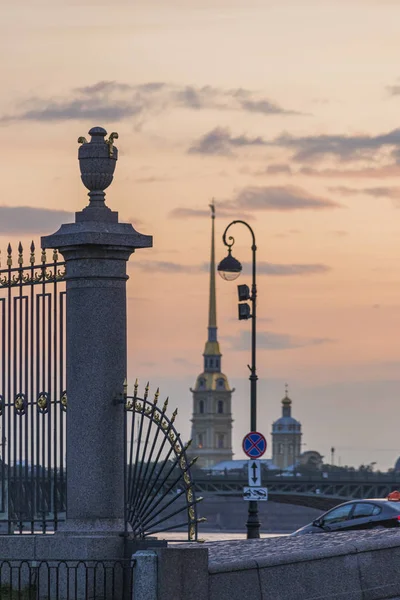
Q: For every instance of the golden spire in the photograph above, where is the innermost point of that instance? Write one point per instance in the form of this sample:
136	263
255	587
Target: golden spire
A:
212	346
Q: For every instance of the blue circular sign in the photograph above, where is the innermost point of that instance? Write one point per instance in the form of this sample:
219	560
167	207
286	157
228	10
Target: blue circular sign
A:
254	444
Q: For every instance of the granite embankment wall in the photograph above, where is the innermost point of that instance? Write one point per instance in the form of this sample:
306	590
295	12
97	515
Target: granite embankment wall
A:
344	566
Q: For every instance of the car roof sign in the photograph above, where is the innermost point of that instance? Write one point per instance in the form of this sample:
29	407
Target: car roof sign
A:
394	496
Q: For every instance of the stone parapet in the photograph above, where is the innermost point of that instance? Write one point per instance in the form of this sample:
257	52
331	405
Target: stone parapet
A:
343	566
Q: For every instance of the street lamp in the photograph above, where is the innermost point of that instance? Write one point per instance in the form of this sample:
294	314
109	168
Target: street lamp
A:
230	268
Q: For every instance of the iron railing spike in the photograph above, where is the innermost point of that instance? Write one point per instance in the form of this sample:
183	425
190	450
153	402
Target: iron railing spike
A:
201	520
9	255
32	256
165	404
20	254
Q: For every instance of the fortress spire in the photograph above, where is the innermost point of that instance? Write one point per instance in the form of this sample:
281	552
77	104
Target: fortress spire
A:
212	396
212	354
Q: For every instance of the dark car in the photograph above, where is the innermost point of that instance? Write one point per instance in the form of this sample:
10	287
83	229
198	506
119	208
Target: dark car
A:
357	514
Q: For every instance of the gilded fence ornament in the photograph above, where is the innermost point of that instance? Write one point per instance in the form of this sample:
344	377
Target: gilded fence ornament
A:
42	403
20	255
146	391
43	256
174	414
135	389
9	256
64	401
82	140
32	254
165	405
20	404
156	395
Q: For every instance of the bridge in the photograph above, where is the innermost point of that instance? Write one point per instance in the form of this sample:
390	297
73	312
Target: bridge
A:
315	491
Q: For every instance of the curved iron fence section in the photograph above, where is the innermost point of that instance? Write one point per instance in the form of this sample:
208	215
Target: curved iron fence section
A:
159	488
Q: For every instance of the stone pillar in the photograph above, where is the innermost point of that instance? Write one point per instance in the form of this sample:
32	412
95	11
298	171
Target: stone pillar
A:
145	577
96	249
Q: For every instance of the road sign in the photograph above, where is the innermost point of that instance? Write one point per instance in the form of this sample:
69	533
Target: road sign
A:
254	473
258	494
254	444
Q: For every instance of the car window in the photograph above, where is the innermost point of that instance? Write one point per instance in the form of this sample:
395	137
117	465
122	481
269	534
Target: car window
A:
365	509
337	514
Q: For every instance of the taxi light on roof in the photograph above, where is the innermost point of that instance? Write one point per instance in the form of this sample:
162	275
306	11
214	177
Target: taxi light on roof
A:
394	496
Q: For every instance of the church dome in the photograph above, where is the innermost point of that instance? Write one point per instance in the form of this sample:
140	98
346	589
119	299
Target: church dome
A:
286	423
397	465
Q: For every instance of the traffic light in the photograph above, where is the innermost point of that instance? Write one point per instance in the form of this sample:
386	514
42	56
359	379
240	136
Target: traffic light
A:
244	311
243	292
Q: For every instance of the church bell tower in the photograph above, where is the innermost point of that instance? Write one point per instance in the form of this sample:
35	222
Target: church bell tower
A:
212	396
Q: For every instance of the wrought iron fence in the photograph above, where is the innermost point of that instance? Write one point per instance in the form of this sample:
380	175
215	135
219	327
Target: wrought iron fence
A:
159	489
66	579
32	392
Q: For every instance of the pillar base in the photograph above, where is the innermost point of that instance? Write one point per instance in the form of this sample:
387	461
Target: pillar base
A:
92	527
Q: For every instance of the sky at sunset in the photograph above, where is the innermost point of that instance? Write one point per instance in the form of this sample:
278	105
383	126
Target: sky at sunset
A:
287	113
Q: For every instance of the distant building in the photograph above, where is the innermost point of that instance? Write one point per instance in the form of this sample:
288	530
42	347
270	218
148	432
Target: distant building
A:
286	437
311	459
212	396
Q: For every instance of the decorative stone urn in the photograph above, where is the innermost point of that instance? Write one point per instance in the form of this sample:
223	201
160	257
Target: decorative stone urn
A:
97	160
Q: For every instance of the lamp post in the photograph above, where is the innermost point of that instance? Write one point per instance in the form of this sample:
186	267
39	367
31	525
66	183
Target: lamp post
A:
230	268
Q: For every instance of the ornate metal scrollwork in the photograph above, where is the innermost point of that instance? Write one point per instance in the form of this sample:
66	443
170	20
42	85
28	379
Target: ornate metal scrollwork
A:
20	404
64	401
43	403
